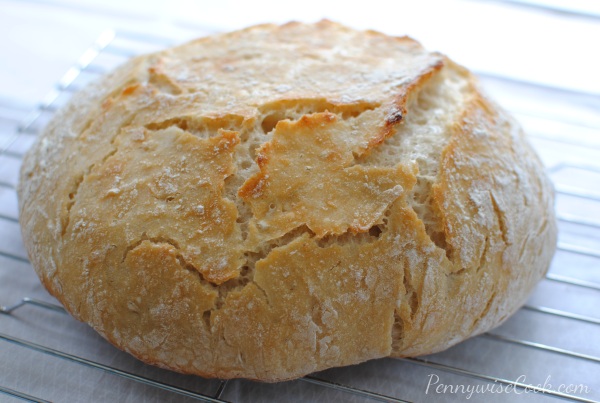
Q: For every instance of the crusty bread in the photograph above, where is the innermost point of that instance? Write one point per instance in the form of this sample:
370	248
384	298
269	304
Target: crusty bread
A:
284	199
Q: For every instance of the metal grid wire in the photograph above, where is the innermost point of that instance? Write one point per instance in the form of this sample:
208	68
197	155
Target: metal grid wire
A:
123	45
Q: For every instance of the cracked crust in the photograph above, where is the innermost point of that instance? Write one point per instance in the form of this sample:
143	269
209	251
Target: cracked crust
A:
284	199
288	191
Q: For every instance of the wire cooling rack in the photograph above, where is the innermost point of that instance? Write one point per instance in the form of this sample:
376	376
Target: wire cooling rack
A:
549	350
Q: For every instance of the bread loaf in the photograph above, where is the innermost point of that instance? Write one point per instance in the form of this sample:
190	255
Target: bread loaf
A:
284	199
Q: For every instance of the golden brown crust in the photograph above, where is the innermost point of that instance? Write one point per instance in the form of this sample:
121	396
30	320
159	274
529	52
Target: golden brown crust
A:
289	192
284	199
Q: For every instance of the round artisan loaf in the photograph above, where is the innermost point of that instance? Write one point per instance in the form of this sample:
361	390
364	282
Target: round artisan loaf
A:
284	199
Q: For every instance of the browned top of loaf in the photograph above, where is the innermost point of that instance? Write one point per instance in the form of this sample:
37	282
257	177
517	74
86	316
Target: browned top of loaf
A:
283	199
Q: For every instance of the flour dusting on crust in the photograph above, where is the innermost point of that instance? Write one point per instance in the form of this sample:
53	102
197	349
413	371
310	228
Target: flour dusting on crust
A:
285	199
